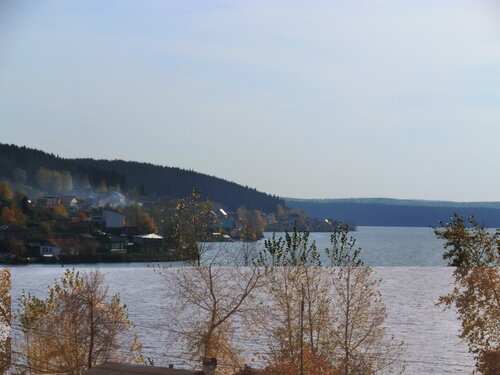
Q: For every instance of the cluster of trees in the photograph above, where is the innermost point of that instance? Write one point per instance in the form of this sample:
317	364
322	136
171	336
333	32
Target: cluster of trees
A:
76	327
21	164
12	206
315	313
137	216
252	224
314	320
54	181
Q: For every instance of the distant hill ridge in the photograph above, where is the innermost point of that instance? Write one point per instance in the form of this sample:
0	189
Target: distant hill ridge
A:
397	212
400	202
145	177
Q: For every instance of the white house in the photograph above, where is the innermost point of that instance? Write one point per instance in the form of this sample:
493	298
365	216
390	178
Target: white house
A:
54	247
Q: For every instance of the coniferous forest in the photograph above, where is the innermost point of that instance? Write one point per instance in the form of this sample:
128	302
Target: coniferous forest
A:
23	164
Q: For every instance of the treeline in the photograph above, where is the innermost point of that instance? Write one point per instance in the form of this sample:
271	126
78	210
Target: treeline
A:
404	215
22	165
175	182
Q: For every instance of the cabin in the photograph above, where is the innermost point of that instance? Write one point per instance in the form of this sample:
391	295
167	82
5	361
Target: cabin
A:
58	246
148	243
109	242
48	201
70	200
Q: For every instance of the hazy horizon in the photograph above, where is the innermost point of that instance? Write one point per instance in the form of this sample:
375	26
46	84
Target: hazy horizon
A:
311	100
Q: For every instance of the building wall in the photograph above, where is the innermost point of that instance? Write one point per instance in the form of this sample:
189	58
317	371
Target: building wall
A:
113	219
49	250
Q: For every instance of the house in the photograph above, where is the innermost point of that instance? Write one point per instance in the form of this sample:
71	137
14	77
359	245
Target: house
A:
150	243
110	242
112	368
71	201
58	246
48	201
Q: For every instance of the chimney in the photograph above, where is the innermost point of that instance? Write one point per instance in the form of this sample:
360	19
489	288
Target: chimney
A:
209	366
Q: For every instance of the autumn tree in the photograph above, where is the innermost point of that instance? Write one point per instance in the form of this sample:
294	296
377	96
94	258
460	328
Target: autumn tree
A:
312	364
207	304
77	326
53	180
66	182
333	313
294	250
475	254
360	343
61	210
6	193
103	187
135	215
13	215
252	224
5	319
190	228
299	312
43	177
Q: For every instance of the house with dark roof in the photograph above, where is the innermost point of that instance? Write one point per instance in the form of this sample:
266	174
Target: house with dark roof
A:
148	243
109	242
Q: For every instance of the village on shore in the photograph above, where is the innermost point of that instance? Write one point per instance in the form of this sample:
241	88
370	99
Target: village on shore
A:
95	227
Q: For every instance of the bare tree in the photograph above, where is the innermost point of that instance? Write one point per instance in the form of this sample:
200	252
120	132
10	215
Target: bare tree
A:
333	314
210	301
360	344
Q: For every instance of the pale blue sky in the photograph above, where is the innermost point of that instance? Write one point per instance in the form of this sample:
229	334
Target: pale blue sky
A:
310	99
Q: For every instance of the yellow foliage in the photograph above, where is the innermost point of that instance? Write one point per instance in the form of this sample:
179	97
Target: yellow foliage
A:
5	191
76	327
475	252
12	215
5	316
60	210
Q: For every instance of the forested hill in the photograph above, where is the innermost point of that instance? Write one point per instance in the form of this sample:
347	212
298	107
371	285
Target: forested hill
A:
395	212
24	163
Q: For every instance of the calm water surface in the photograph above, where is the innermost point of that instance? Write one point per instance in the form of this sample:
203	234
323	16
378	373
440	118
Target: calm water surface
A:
407	259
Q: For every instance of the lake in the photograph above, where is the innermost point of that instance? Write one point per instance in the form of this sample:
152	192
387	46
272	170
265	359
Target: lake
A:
407	259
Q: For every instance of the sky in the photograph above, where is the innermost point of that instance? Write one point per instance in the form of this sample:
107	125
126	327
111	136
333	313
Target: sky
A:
303	99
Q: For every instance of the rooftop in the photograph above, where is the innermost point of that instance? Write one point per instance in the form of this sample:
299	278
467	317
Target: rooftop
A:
112	368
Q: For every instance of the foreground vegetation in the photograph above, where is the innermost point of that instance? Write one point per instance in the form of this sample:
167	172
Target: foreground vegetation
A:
310	318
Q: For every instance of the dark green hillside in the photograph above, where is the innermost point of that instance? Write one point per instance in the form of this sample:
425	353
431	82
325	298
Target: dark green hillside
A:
146	178
178	182
394	212
30	160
